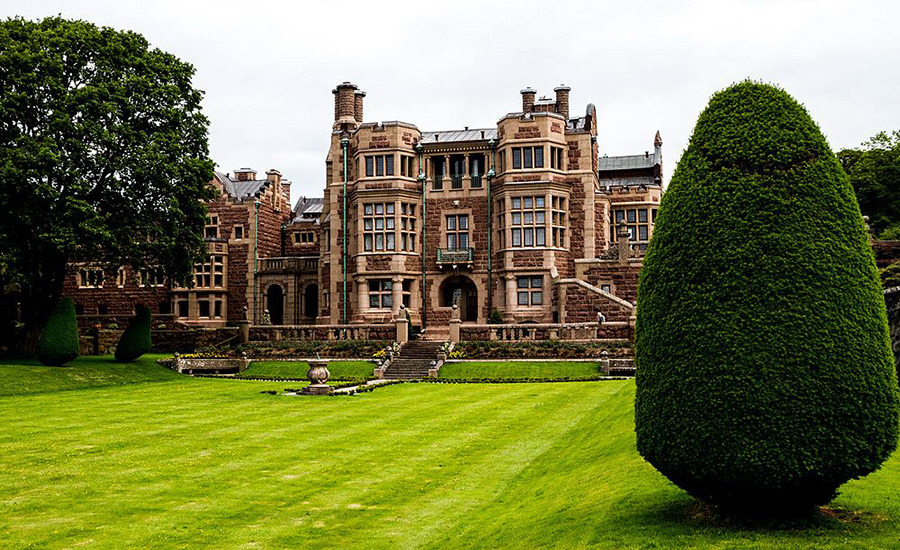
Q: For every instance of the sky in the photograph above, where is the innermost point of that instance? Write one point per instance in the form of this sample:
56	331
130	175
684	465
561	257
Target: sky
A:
268	68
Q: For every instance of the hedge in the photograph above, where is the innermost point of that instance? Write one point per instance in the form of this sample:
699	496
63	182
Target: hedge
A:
764	370
59	340
135	340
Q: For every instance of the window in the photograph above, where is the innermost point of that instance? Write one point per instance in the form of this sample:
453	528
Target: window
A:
378	226
328	239
437	173
90	277
181	306
458	231
606	288
556	158
558	221
211	231
476	170
379	165
380	296
152	276
406	166
210	274
528	157
203	305
407	293
120	277
238	232
457	165
529	220
638	221
304	237
407	227
530	290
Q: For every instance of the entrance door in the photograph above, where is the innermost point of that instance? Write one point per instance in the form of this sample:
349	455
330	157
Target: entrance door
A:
460	290
275	304
311	301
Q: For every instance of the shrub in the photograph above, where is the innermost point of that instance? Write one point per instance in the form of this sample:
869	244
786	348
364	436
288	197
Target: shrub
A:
135	341
764	372
495	318
59	341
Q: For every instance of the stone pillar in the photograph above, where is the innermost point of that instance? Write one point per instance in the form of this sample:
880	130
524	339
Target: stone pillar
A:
455	322
362	295
624	243
402	327
510	293
604	363
562	303
397	293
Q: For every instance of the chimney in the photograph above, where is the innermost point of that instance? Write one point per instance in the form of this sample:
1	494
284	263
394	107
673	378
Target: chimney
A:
358	96
273	175
562	100
245	174
344	103
528	100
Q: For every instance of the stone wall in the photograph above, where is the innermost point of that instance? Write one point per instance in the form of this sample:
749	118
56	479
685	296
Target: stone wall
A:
892	300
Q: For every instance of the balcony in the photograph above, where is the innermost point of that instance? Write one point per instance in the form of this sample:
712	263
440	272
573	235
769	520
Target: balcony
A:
455	257
288	265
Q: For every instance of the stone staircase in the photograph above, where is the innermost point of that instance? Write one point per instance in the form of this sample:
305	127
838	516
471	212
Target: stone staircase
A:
436	334
414	360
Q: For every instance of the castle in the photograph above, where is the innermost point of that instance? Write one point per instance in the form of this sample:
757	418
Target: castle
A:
525	220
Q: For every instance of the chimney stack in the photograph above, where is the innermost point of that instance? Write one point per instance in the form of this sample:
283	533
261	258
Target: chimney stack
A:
344	103
528	100
245	174
273	175
562	100
358	96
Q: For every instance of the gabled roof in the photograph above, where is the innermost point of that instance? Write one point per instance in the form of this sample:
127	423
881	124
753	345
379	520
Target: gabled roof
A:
241	189
308	209
451	136
629	162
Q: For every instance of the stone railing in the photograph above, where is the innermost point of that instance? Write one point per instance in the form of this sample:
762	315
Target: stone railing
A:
288	265
278	333
545	331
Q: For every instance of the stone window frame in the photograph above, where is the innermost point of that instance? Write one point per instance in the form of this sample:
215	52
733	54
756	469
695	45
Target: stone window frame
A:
90	277
635	224
559	218
408	232
370	230
211	229
456	232
120	277
528	157
382	291
531	293
457	212
556	158
304	237
151	277
234	232
536	228
385	162
211	273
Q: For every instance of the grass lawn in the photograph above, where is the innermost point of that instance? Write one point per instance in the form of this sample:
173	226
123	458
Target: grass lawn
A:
520	369
340	370
212	463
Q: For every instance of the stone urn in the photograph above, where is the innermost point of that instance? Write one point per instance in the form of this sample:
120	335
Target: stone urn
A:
318	377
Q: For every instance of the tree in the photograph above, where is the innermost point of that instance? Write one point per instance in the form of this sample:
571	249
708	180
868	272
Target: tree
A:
764	371
103	157
874	170
59	339
135	340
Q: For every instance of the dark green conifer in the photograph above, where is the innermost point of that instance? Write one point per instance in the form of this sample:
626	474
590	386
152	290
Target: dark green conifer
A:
764	371
135	341
59	340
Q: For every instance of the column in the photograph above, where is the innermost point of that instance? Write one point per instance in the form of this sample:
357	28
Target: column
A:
362	290
467	177
396	295
511	301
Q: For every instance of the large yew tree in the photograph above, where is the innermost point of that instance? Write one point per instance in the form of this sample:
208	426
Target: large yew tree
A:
103	158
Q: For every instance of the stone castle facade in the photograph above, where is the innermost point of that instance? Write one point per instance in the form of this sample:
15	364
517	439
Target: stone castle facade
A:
525	219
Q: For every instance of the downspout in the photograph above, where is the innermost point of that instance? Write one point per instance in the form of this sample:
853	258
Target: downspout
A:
344	143
421	178
256	262
490	230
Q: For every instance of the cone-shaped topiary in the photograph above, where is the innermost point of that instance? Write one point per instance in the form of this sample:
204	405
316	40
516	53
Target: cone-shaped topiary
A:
764	371
59	340
135	341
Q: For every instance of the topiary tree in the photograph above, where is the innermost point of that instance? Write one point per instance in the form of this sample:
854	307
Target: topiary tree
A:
58	343
764	371
135	340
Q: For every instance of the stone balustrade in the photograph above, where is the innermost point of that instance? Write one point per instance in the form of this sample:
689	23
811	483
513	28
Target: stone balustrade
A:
545	331
277	333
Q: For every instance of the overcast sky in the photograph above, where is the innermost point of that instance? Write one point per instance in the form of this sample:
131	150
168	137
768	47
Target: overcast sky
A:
268	68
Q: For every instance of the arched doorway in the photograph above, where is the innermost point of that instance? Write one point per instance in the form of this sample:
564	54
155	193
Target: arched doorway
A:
311	301
462	291
275	304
